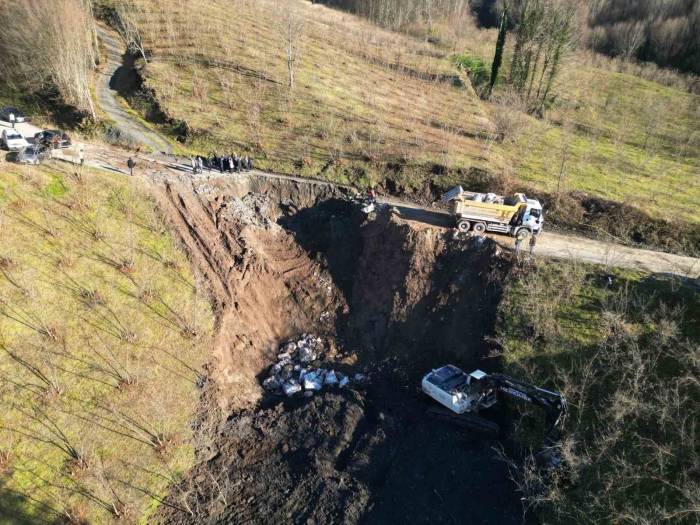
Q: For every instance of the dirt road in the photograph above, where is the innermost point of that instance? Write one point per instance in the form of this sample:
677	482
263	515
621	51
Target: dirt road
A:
115	77
561	246
26	129
549	244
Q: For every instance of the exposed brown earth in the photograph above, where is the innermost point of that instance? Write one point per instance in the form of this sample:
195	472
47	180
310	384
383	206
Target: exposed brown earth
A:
391	299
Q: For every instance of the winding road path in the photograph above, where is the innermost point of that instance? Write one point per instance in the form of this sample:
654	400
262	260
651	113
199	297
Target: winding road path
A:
549	244
114	75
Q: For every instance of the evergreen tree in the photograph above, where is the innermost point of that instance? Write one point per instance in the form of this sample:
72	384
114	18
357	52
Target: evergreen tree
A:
500	44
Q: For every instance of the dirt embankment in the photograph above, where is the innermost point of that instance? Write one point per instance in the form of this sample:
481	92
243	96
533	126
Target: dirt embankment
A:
392	300
263	285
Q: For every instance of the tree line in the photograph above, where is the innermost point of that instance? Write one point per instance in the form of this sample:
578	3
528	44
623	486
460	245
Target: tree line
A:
49	46
398	14
666	32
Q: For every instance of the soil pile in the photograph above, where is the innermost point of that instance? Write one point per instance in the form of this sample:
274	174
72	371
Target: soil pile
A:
395	300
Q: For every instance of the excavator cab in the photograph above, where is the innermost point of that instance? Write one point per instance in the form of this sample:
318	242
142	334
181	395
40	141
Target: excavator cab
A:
460	392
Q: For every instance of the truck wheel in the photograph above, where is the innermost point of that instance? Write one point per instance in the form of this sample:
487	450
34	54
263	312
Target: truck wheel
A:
463	226
522	234
479	228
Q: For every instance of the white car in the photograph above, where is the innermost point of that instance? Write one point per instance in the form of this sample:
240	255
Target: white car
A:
13	140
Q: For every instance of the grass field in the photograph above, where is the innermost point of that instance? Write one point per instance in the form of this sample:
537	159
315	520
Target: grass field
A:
625	354
102	338
362	98
619	137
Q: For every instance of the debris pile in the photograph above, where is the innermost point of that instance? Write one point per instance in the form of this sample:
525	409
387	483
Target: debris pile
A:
252	209
298	369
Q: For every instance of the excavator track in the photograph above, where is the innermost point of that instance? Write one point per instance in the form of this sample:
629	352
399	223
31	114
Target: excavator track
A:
468	421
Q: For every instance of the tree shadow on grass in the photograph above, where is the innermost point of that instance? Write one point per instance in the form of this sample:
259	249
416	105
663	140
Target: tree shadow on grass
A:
14	510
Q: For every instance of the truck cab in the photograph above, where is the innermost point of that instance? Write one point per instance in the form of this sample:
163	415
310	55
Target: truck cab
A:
533	217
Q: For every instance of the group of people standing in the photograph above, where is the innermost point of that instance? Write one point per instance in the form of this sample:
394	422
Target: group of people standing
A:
223	163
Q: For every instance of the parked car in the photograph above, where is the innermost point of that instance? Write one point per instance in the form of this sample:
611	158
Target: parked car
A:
52	138
13	140
33	154
19	115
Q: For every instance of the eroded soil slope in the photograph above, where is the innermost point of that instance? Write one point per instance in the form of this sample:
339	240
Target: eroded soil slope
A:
393	300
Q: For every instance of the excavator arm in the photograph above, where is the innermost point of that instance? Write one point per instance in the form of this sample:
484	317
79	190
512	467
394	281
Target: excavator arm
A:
554	403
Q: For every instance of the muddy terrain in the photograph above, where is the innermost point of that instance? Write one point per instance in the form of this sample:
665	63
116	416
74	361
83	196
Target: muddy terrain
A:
390	300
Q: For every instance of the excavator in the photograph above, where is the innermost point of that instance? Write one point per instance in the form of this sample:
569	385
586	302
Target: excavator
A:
464	395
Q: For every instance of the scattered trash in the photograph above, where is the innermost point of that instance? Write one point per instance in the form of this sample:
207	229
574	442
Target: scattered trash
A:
294	372
291	387
368	207
331	378
306	354
313	380
360	378
271	383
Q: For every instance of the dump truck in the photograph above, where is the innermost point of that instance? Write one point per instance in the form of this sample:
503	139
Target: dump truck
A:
518	215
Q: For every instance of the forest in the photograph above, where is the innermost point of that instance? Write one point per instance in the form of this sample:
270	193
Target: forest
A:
666	32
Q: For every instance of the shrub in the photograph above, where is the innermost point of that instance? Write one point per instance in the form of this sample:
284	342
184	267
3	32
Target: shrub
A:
476	68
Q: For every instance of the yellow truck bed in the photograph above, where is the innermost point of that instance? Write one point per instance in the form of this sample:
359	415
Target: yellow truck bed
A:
489	212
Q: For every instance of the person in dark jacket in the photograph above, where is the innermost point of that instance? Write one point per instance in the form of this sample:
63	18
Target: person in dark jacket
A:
221	164
250	164
533	242
131	164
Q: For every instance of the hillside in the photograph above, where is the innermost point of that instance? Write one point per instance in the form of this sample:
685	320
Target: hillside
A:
359	103
610	133
183	347
381	107
102	337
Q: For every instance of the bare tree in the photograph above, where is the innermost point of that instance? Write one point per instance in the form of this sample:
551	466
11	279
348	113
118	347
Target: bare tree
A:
127	25
50	43
292	32
630	37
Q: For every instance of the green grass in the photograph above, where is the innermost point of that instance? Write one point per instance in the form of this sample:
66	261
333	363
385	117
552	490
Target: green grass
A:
102	335
56	188
618	136
478	70
625	355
